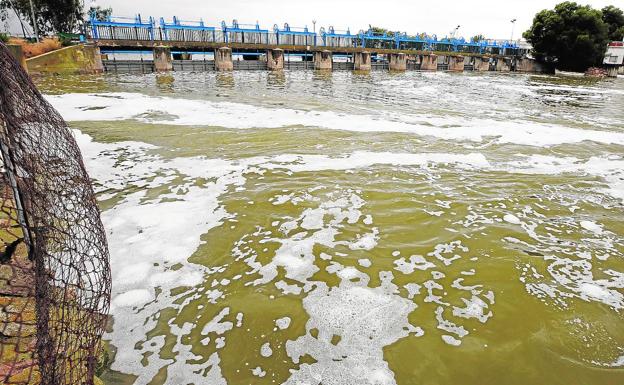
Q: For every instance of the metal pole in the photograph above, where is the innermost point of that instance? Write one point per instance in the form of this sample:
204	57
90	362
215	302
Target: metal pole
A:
513	26
11	172
32	14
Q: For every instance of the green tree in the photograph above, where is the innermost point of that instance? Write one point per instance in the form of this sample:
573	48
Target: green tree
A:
381	31
101	14
52	16
572	36
614	18
477	38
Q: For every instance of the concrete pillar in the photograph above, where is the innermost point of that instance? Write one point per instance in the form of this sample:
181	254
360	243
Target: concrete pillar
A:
98	65
503	64
323	60
162	59
456	63
362	61
223	59
482	64
397	62
612	71
18	53
275	59
429	63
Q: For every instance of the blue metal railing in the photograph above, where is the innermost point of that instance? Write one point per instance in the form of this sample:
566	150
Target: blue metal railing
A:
177	31
293	36
119	28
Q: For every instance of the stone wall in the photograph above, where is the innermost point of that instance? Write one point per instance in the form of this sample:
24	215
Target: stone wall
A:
18	312
18	326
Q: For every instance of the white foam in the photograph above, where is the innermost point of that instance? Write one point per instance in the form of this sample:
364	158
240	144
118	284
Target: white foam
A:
282	323
258	372
365	262
591	226
510	218
265	350
134	297
119	106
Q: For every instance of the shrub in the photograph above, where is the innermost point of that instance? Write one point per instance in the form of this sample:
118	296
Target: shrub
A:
4	37
48	44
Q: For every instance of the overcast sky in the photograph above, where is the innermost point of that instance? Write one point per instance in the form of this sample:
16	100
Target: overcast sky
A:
491	18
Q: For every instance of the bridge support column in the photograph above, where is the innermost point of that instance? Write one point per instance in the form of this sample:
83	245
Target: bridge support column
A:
98	65
503	64
362	61
612	71
275	59
482	64
17	52
397	62
223	59
456	63
429	63
162	59
323	60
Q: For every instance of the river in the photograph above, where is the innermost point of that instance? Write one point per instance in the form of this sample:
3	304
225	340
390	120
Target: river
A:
343	228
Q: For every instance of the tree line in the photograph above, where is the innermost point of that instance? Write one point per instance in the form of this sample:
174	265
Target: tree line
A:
574	37
51	16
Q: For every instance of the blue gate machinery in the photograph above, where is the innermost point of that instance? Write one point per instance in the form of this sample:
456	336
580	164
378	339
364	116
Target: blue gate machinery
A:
137	29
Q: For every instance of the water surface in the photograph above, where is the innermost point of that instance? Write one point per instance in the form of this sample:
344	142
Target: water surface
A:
308	228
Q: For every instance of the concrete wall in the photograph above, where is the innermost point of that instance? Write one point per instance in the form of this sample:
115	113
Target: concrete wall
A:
456	63
429	62
503	64
362	61
162	59
275	59
532	66
82	58
223	59
18	323
323	60
397	62
482	64
612	71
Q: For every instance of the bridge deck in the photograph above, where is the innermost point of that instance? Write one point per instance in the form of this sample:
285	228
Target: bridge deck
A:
241	47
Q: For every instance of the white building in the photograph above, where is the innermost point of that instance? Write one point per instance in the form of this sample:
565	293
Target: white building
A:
615	54
614	58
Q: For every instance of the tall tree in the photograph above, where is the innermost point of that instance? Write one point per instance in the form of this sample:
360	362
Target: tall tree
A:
614	17
51	16
99	13
572	36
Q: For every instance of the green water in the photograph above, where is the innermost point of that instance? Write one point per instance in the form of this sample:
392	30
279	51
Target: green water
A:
414	228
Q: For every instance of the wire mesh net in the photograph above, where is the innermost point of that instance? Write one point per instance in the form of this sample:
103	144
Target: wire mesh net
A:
54	272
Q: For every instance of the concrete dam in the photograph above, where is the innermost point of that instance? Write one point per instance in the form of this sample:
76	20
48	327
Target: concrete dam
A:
193	46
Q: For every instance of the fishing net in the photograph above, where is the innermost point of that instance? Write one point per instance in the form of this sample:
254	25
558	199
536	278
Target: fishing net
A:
54	271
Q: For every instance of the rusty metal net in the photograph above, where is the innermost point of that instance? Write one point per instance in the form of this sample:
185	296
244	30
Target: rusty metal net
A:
54	271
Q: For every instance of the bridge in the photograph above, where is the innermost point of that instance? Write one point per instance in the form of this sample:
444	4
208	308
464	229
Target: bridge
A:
277	47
